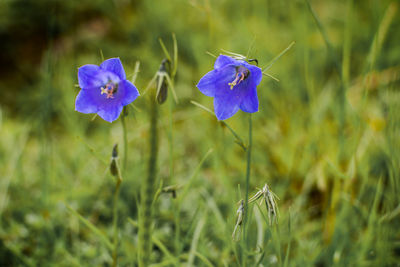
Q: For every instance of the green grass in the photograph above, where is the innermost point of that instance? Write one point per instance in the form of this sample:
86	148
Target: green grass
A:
326	138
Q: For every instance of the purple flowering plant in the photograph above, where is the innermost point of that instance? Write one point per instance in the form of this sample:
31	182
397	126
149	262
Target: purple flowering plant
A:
104	89
233	84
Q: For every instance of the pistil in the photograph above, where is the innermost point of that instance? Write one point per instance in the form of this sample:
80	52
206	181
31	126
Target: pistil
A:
241	74
109	89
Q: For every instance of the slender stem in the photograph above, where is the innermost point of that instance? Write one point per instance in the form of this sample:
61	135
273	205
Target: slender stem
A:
147	192
171	179
277	57
115	217
248	168
177	244
125	136
170	140
238	140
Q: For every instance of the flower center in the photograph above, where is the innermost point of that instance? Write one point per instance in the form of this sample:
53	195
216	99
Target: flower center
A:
109	89
241	74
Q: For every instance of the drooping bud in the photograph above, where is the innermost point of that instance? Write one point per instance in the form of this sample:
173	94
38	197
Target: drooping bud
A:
162	84
113	165
171	189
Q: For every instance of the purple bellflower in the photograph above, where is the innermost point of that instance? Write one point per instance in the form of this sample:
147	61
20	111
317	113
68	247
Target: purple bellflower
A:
105	89
233	84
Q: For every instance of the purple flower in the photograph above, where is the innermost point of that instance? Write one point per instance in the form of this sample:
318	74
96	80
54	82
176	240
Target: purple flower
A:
233	84
105	89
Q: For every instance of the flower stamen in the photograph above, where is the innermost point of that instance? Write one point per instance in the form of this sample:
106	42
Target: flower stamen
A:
241	74
109	89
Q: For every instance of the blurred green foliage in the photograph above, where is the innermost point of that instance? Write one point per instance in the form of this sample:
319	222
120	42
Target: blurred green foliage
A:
326	138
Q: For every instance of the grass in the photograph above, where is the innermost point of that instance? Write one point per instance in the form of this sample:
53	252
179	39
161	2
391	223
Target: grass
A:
326	138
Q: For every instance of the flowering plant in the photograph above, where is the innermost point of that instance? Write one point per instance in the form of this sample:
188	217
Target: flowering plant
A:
104	89
233	84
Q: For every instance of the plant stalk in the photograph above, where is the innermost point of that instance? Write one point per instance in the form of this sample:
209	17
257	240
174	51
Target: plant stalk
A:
125	136
248	168
147	192
115	219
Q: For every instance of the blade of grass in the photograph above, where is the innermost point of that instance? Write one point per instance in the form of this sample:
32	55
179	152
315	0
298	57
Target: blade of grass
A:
286	261
251	47
92	151
101	55
93	228
203	259
341	89
175	56
20	255
164	249
171	86
347	43
269	65
370	234
195	239
12	166
194	175
272	77
135	72
165	49
380	35
238	139
208	53
328	43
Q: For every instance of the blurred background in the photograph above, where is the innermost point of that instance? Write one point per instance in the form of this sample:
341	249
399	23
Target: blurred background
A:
326	138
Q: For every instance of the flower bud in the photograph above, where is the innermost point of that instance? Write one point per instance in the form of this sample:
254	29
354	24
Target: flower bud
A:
113	164
162	85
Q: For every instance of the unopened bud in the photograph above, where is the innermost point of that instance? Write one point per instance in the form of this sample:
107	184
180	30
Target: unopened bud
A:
113	164
162	85
171	189
114	154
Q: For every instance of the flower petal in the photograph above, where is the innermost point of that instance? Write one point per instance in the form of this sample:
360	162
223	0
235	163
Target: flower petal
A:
228	91
114	65
85	103
250	101
88	76
223	60
216	82
255	74
129	91
206	84
225	107
110	112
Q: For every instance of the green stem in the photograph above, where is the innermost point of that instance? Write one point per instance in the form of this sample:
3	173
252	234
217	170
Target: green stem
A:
125	136
170	139
115	220
147	192
248	168
177	244
171	154
239	140
171	179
